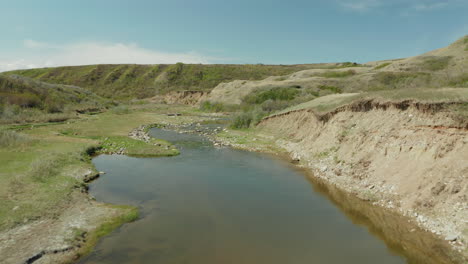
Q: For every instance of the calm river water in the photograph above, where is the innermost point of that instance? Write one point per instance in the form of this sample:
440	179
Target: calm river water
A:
221	206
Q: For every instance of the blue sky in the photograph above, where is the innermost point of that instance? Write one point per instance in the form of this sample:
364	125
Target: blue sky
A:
60	32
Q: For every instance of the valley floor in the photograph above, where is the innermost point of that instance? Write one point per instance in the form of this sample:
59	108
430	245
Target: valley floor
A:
411	162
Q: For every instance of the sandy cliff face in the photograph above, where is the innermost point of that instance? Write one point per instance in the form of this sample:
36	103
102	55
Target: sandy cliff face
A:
412	157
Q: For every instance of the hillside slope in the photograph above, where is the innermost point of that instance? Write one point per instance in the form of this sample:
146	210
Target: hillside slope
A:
446	67
25	100
141	81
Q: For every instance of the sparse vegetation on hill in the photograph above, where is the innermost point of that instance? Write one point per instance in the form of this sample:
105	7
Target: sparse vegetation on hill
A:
26	100
141	81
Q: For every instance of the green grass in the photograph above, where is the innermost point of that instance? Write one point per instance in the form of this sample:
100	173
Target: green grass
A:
333	89
41	164
136	148
129	214
26	100
381	66
397	80
337	74
275	94
435	63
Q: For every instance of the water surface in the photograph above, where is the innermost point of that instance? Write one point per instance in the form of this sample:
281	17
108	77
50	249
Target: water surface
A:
220	206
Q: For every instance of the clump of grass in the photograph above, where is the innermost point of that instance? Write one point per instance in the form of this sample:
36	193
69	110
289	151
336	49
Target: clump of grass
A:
275	94
121	110
435	63
242	120
395	80
381	66
333	89
216	107
136	148
337	74
10	138
130	214
44	169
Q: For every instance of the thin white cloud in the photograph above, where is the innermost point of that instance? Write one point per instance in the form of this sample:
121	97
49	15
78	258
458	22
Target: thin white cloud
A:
406	6
429	6
49	55
359	5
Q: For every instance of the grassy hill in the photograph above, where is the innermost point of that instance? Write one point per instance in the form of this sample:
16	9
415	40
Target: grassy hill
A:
141	81
27	100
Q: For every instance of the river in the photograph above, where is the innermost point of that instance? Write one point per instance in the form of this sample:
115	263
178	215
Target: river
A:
220	205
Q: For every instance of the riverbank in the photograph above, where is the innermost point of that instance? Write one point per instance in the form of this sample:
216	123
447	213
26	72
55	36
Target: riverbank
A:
406	157
47	215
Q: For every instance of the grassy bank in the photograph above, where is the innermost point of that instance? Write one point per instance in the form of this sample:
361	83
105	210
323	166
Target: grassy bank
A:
42	165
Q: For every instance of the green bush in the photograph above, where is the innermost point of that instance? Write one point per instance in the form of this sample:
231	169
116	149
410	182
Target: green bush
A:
212	107
275	94
242	120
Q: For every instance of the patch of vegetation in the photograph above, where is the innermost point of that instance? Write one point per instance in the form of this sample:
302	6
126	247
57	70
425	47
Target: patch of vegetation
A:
459	81
435	63
120	110
349	64
274	94
396	80
337	74
326	153
261	103
129	214
27	100
9	138
333	89
217	107
41	165
381	66
137	148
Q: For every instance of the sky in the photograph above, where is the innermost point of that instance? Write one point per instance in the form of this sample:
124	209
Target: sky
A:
50	33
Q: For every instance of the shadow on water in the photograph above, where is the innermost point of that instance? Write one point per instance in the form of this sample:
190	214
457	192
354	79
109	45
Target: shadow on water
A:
220	205
400	234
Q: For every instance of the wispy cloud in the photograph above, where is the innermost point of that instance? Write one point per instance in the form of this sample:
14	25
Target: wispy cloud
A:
359	5
429	6
405	6
49	55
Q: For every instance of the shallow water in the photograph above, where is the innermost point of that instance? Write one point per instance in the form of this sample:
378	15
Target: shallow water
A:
220	205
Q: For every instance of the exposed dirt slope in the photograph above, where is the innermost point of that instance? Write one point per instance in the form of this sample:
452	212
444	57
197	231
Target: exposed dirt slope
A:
408	156
180	97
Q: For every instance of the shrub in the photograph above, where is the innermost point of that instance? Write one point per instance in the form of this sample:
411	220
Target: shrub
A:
212	107
274	94
121	110
11	138
242	120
